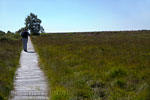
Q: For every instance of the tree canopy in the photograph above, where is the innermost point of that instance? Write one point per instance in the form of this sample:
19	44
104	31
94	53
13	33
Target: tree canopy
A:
32	23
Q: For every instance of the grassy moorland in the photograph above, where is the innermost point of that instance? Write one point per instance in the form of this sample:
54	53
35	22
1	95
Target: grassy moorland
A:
96	66
10	47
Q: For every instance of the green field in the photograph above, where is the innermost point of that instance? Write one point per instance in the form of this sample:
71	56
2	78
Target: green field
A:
96	66
10	47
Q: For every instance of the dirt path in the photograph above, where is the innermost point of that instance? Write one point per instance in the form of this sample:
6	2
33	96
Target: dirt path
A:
30	82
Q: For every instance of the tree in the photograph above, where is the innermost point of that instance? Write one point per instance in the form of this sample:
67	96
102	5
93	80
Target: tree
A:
2	32
9	32
32	23
20	30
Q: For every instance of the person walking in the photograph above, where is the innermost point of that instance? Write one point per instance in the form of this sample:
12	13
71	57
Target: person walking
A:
25	35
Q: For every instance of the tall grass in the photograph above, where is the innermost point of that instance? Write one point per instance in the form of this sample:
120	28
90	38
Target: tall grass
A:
96	66
10	47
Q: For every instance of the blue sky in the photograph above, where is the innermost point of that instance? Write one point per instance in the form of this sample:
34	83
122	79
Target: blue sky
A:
77	15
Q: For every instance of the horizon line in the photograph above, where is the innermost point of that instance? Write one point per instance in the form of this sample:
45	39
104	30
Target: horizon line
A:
100	31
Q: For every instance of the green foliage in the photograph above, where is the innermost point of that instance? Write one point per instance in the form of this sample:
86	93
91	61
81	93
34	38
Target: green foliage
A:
97	66
2	33
121	83
143	93
10	47
9	36
117	72
60	94
33	24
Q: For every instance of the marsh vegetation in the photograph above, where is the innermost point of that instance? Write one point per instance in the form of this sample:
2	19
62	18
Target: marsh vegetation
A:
96	66
10	47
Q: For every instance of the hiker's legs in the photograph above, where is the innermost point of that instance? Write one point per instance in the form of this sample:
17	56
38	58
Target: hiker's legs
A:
25	40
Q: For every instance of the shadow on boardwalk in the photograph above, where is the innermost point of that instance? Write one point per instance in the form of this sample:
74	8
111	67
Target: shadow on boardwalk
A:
30	51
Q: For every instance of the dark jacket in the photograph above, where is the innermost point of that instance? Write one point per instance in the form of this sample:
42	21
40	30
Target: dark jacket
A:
25	34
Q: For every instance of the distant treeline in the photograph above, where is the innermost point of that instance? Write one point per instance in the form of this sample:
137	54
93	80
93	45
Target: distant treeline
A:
9	36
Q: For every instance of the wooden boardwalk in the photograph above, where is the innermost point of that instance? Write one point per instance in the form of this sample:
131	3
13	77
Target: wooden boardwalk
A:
30	82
